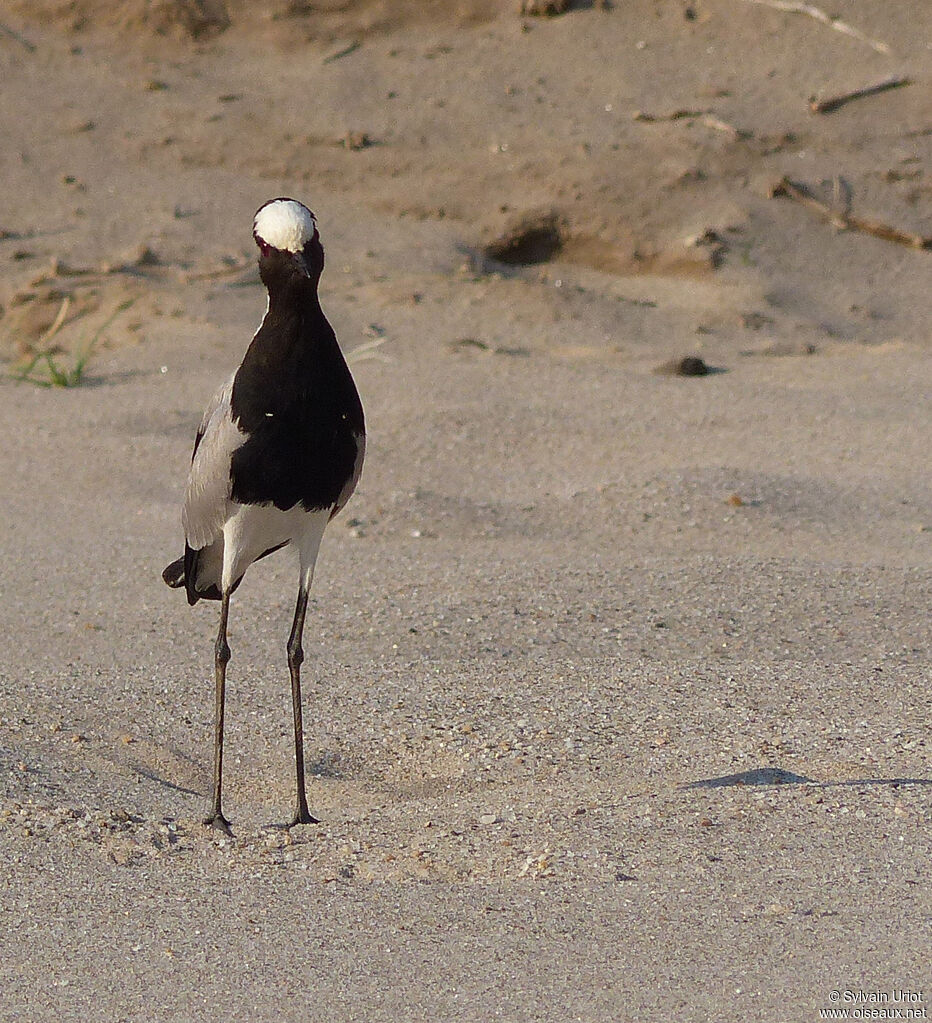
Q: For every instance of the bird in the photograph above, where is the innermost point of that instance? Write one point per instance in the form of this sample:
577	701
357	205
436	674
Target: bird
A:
277	455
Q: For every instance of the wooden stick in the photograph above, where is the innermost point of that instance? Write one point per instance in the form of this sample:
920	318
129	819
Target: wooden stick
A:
223	271
674	115
844	220
344	51
367	350
841	194
793	7
683	114
826	106
718	124
801	194
13	34
56	324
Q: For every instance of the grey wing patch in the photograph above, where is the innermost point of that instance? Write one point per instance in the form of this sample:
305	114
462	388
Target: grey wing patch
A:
207	495
347	492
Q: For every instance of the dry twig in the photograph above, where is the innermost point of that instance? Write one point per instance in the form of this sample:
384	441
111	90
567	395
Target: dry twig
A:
674	115
227	270
830	103
56	323
343	51
717	124
841	194
367	350
794	7
21	39
844	220
685	114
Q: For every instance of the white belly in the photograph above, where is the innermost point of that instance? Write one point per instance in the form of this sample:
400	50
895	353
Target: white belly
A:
251	529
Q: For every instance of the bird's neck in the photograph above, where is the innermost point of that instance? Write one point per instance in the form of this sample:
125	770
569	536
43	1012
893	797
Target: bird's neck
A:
293	331
296	296
295	314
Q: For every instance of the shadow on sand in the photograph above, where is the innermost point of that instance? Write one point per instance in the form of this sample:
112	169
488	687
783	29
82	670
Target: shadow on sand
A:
777	776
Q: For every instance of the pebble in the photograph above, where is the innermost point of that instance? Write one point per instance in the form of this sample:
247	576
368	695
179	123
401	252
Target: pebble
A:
356	140
688	366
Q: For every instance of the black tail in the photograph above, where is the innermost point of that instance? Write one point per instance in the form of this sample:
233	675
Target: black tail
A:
190	579
173	574
180	571
183	572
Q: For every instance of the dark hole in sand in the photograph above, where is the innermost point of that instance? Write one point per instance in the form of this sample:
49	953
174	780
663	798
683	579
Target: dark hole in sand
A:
533	239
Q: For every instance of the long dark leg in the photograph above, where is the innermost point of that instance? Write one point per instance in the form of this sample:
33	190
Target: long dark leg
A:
221	658
295	657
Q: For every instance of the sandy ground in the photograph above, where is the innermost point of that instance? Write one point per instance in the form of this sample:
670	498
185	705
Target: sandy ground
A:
617	693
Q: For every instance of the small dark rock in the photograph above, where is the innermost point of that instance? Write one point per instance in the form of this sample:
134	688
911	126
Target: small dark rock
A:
356	140
543	8
788	348
688	366
143	256
754	321
692	366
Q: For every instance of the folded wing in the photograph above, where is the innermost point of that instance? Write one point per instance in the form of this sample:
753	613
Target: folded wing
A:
207	495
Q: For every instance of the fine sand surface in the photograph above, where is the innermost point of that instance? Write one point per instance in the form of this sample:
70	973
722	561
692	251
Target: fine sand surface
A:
617	693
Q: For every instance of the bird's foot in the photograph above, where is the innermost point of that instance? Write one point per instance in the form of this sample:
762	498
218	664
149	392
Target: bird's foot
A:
303	816
219	822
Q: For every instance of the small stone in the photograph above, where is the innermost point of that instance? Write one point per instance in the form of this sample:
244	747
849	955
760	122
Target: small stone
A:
543	8
782	349
144	256
754	321
488	818
688	366
356	140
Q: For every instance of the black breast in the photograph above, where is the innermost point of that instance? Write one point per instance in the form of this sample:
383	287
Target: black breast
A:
296	401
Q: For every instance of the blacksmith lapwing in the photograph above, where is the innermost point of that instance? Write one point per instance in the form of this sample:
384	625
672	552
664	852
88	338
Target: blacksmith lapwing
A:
277	455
